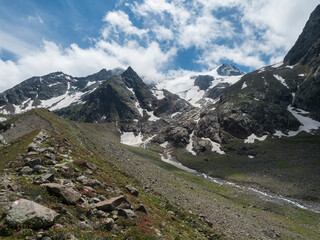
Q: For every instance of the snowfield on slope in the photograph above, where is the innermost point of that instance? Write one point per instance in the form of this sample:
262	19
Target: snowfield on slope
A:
185	88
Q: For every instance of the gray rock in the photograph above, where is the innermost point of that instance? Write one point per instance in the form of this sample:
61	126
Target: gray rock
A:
2	140
45	178
27	213
91	166
26	170
33	162
113	203
132	190
32	153
143	209
33	147
106	224
50	156
127	213
89	182
68	194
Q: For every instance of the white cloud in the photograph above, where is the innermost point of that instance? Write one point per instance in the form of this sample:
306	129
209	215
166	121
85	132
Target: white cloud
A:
14	45
120	22
36	18
249	33
147	61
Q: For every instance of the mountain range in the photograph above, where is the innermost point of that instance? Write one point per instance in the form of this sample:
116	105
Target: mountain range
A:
257	132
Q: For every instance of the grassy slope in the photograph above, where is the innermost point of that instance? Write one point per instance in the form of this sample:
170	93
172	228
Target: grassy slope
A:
295	222
286	166
176	225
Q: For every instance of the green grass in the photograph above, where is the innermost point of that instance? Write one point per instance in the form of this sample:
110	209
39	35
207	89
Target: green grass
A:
72	136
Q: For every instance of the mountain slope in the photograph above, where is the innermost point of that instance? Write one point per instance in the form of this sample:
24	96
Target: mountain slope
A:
201	88
53	91
124	98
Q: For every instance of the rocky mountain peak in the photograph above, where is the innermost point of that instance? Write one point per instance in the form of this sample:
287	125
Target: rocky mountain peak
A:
307	46
229	70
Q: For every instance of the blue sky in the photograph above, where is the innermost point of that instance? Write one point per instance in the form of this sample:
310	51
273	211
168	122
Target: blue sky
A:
158	38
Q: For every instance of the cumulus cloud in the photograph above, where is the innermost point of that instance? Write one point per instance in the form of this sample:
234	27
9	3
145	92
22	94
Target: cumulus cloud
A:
149	34
119	22
81	62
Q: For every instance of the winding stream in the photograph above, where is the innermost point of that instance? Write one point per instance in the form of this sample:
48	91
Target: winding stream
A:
166	157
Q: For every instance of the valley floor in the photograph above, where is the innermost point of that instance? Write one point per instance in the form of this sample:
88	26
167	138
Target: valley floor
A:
239	214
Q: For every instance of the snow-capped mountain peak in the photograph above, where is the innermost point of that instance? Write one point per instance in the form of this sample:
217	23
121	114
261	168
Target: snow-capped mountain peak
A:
199	88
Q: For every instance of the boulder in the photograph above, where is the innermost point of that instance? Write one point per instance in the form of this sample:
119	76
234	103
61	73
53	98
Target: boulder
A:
45	178
105	224
143	209
28	213
91	166
132	190
2	140
68	194
26	170
127	213
33	147
113	203
89	182
33	162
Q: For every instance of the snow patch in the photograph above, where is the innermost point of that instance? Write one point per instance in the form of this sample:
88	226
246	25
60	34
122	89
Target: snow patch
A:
128	138
301	75
216	147
152	116
185	88
2	119
308	124
169	160
282	80
175	114
244	85
158	94
165	144
90	83
54	84
253	137
277	65
190	145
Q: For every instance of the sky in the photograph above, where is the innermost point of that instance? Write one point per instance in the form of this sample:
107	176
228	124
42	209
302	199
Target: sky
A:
157	38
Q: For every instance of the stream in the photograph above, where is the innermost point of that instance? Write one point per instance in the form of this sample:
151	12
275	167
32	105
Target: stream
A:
166	157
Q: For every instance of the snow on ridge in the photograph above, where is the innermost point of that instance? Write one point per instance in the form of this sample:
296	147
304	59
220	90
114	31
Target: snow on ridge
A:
253	137
90	83
277	65
281	80
190	145
54	103
185	88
